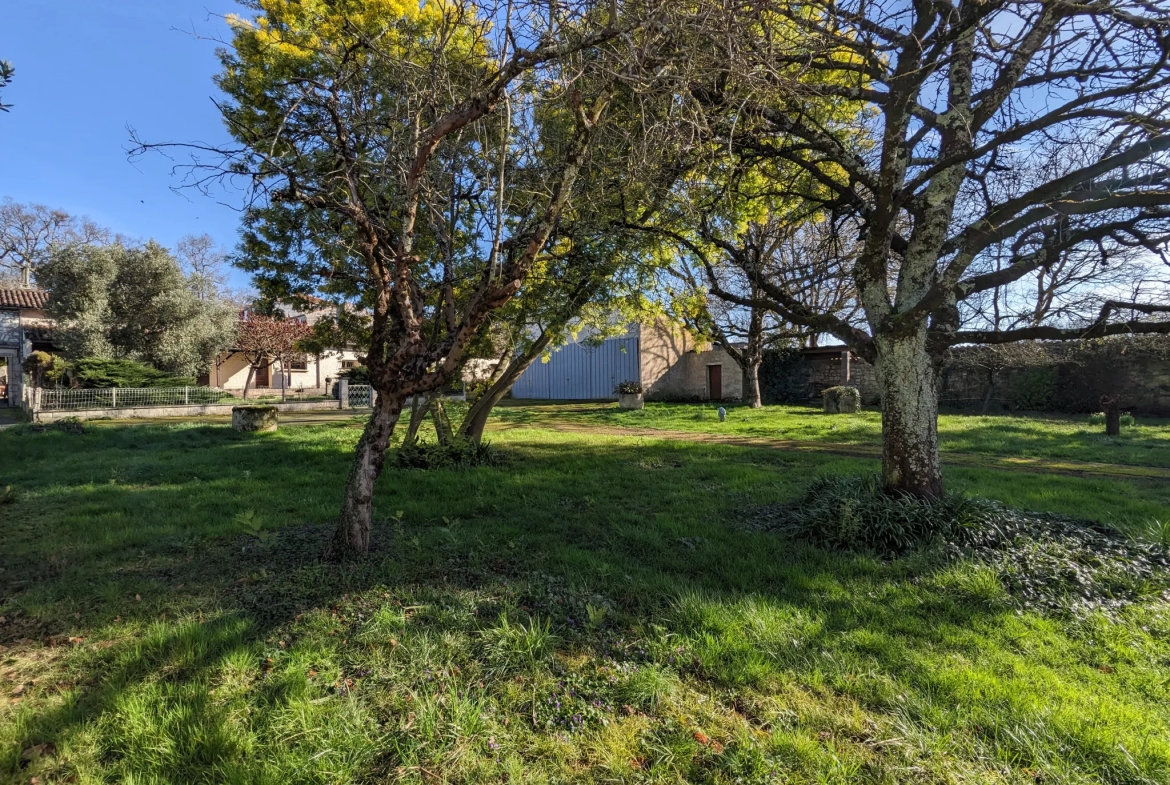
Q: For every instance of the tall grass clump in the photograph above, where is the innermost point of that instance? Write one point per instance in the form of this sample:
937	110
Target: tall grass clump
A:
511	646
856	513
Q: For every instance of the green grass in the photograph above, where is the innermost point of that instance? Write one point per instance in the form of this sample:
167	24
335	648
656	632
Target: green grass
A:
595	610
1048	436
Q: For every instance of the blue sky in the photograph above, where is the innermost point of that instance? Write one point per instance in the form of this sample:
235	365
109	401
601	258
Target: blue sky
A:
87	69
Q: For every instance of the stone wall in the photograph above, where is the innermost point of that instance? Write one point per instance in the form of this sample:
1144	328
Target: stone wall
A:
799	377
1139	380
1058	378
674	366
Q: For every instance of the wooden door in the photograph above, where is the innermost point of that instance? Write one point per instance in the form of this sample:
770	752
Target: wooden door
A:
262	378
715	382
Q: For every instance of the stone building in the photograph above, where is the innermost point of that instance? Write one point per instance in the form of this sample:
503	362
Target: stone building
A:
24	329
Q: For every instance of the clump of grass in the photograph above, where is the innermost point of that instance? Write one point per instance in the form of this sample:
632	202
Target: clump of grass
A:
856	513
459	453
1125	420
511	646
648	687
1156	531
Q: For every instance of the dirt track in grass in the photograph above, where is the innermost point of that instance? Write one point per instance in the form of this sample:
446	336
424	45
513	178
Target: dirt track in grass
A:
356	419
1036	465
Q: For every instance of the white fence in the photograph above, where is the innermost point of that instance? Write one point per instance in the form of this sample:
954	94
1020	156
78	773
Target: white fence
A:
127	397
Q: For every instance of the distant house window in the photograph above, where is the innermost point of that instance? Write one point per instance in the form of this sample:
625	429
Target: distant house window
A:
299	362
347	364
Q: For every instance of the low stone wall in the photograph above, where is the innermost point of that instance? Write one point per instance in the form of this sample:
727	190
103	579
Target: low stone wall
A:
1058	377
799	376
208	409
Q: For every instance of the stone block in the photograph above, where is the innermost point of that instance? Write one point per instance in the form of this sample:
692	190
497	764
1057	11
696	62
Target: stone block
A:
253	418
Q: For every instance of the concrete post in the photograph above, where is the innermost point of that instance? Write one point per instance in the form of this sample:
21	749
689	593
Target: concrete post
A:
36	399
343	393
845	370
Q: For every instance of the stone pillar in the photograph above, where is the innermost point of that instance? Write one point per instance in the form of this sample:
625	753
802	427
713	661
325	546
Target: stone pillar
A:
845	369
343	393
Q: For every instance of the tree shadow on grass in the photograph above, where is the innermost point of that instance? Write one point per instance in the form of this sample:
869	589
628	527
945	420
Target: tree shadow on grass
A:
229	624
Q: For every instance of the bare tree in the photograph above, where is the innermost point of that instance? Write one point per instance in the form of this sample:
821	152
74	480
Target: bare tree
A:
720	263
204	263
267	340
1017	130
30	233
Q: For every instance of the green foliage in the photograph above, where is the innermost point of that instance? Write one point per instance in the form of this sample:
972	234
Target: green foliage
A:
844	400
98	373
359	374
510	646
856	513
1059	564
1125	419
647	687
187	650
251	524
68	425
784	377
1032	389
1155	530
46	370
114	301
628	388
458	453
1046	562
6	74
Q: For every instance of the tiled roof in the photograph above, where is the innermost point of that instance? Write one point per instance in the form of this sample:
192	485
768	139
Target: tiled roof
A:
23	298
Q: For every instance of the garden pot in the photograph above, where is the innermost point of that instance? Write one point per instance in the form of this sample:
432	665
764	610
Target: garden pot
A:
631	401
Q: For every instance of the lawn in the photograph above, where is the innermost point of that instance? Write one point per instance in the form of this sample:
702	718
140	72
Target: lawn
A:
597	608
1048	436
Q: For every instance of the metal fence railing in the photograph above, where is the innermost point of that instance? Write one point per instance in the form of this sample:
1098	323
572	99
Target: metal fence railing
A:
361	395
129	397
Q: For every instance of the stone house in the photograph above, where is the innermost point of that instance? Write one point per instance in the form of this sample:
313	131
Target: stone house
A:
25	327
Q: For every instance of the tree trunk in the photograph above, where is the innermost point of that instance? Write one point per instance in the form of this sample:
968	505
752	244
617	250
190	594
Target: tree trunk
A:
477	416
352	537
990	390
1110	405
419	406
248	379
906	374
444	433
753	379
